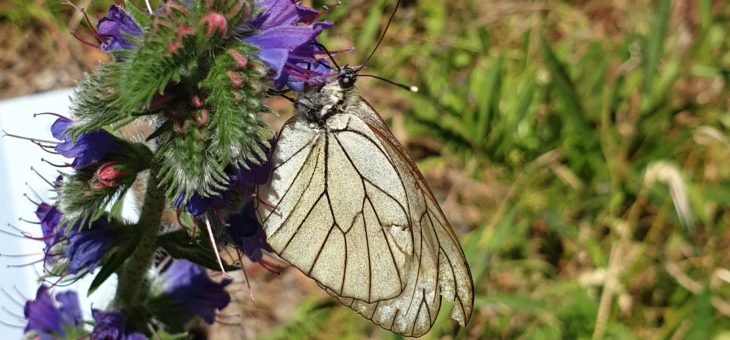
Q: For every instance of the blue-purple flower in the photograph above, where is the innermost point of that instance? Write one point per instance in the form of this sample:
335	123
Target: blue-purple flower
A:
290	49
253	175
110	325
189	287
49	318
49	217
87	149
115	28
198	205
84	247
87	248
256	174
247	233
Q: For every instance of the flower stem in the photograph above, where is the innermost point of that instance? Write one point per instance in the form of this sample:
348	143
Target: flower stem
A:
132	275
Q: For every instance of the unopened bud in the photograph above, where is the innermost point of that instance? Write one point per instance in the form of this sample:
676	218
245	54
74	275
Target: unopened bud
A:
241	61
201	117
197	102
236	80
173	46
108	173
184	30
215	21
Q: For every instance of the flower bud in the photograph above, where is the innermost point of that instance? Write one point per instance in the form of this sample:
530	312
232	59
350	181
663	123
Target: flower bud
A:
215	21
236	80
108	173
241	61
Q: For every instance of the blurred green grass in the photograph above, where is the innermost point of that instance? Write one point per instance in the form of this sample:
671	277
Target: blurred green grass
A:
580	147
603	127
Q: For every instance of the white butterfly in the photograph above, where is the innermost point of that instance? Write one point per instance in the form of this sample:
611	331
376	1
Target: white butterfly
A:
353	212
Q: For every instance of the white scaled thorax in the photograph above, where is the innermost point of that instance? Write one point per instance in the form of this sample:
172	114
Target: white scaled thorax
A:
317	106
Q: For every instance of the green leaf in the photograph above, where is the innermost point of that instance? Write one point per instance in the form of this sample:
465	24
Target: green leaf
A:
178	244
116	260
489	104
655	44
142	18
566	86
702	317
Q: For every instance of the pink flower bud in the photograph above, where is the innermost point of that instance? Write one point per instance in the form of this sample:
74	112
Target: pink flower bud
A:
173	46
241	61
108	173
184	30
197	102
201	117
235	79
215	21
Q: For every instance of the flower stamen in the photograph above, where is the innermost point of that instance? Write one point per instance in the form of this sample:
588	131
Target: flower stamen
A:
215	247
41	176
85	42
67	165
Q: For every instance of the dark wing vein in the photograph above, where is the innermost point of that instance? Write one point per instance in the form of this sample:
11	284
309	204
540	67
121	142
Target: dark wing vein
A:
294	234
375	211
321	247
296	177
293	155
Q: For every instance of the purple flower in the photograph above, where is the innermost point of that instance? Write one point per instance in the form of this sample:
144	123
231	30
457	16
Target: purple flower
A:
288	48
254	175
89	148
50	319
189	287
84	247
248	234
114	27
49	217
111	326
198	205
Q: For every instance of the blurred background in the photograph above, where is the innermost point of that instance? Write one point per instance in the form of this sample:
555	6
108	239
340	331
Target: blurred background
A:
580	149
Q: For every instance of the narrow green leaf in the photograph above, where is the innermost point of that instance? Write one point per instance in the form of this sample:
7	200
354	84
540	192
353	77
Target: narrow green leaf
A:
116	260
655	44
489	103
138	15
179	245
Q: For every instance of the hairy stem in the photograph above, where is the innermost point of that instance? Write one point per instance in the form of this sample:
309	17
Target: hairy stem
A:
132	275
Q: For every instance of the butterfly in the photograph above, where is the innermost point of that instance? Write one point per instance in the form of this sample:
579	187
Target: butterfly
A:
348	207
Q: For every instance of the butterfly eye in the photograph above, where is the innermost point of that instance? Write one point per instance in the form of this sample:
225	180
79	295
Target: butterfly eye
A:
346	81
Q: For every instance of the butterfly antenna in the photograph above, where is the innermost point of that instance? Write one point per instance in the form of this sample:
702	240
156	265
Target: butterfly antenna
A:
403	86
332	59
382	36
282	94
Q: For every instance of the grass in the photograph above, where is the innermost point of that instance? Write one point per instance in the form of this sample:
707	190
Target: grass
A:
580	149
597	135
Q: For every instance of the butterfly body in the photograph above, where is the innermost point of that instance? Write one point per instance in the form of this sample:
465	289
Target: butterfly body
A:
353	212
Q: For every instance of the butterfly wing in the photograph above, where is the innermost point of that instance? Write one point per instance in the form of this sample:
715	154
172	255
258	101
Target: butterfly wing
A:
353	212
439	268
335	207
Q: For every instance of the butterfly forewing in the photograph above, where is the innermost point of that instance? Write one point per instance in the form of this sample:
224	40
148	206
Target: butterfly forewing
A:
335	211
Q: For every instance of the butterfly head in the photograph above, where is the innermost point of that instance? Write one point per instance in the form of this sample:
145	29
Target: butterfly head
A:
346	78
